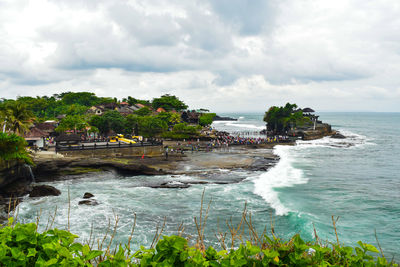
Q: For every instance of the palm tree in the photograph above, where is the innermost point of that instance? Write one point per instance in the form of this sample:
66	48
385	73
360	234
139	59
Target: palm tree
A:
4	115
19	117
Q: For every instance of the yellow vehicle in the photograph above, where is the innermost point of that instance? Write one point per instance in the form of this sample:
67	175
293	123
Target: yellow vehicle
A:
121	138
137	138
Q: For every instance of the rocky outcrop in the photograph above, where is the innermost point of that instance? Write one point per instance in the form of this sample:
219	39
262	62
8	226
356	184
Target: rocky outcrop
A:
219	118
338	135
321	130
15	179
88	195
13	171
89	202
44	190
50	170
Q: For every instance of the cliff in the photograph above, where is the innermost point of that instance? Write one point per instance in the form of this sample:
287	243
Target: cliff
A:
321	130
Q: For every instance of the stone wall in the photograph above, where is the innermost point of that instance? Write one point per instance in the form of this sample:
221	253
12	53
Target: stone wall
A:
116	152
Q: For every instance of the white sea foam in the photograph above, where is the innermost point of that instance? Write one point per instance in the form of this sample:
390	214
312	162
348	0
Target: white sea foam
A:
248	126
351	140
281	175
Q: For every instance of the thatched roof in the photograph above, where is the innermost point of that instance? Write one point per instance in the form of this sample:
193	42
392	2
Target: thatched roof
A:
308	110
35	133
46	127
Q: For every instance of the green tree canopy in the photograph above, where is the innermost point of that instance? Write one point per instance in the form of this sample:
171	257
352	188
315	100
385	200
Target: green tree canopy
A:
168	102
147	126
206	118
72	122
143	111
110	121
279	119
80	98
17	117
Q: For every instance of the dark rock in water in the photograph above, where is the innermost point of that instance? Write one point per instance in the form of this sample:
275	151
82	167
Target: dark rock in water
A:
219	118
171	185
44	190
89	202
88	195
338	135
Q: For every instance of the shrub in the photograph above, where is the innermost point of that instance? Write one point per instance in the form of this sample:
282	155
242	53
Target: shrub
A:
13	147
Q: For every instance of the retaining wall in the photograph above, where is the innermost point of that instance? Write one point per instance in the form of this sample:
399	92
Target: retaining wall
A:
116	152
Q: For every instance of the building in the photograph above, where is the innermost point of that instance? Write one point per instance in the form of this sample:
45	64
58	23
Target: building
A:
36	138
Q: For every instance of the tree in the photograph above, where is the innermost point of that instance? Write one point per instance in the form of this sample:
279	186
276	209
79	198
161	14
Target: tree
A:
143	111
169	117
279	119
110	121
72	122
147	126
206	118
168	102
17	116
81	98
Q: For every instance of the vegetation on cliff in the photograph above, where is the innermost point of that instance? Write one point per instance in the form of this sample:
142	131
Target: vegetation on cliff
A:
13	148
281	119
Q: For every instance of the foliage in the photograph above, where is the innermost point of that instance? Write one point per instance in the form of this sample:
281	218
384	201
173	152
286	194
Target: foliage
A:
147	126
13	147
80	98
17	116
279	119
22	245
132	101
168	102
206	118
170	118
72	122
110	121
145	111
181	131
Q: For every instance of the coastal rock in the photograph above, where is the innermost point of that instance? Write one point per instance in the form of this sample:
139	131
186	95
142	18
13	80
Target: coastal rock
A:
14	171
89	202
321	130
44	190
88	195
172	185
219	118
338	135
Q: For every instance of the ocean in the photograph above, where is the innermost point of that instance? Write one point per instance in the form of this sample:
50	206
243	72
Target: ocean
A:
356	179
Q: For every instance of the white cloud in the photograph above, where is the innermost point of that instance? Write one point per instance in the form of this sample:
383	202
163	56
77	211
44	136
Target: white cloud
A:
222	55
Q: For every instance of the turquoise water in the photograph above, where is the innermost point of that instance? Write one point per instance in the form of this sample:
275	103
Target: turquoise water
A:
357	179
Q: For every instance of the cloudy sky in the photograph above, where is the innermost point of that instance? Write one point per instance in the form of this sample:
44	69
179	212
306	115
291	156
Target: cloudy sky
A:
225	55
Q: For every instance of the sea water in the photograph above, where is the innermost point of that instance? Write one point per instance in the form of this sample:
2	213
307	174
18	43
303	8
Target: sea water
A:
356	179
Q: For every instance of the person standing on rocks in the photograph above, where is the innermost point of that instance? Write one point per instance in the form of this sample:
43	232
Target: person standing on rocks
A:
166	153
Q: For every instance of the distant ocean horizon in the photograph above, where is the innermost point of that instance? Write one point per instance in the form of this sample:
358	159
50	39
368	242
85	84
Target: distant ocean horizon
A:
356	178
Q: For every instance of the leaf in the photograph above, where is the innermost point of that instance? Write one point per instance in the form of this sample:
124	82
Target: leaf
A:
31	252
76	247
51	262
85	250
93	254
371	248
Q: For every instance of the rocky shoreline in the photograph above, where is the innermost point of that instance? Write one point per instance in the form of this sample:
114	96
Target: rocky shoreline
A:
52	167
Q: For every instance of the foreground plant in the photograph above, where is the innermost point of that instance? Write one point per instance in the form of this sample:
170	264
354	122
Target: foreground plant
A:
22	245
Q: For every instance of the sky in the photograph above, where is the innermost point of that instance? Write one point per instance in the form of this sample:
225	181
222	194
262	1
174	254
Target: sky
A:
223	55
